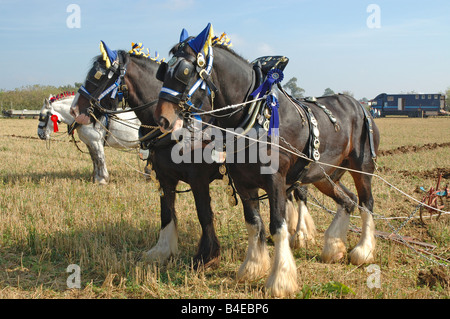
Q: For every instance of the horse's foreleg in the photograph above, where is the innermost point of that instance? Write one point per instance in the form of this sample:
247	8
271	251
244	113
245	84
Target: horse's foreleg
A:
282	280
167	244
257	261
100	173
209	248
94	142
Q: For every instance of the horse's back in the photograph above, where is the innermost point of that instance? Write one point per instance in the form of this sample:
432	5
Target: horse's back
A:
124	132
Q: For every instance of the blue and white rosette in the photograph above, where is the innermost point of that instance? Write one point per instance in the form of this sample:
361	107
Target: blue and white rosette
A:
273	76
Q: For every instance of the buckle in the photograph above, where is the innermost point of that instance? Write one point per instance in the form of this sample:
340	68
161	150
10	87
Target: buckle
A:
201	60
201	74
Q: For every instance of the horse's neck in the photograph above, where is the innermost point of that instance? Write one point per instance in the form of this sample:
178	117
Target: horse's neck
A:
143	87
63	108
235	81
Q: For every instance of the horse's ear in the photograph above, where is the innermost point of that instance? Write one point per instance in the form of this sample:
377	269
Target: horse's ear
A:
109	56
184	35
202	41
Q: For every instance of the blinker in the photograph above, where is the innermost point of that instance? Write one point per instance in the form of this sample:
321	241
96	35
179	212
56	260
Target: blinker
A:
160	74
183	71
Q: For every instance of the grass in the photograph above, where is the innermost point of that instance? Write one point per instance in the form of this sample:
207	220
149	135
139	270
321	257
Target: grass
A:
52	216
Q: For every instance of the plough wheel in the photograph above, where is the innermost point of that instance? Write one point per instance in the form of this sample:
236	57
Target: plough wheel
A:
433	201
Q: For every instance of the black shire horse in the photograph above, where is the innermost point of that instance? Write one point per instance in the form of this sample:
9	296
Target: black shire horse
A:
335	130
135	75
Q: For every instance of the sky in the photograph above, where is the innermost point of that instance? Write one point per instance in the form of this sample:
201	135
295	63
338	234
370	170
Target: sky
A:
365	47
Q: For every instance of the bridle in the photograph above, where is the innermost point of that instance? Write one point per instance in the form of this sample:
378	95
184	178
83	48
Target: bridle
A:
192	73
112	84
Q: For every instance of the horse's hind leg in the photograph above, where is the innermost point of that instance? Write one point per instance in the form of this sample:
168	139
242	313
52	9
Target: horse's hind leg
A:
363	252
208	253
334	247
167	244
257	261
300	224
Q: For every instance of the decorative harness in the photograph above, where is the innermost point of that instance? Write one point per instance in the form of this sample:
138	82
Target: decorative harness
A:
183	72
113	85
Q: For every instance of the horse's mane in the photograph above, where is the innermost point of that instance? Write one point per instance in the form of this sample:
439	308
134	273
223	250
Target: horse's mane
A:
126	55
227	48
61	96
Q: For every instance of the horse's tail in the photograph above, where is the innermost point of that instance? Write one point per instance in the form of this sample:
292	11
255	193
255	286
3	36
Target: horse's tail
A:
368	120
369	124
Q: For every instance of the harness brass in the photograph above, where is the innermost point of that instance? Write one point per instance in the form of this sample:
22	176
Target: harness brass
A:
98	75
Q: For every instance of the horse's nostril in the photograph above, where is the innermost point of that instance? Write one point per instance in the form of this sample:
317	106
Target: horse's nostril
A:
163	123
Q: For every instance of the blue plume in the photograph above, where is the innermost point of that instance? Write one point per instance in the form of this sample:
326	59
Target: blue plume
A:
199	41
112	55
184	35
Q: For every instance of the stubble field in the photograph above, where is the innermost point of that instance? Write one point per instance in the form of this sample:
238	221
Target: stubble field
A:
52	216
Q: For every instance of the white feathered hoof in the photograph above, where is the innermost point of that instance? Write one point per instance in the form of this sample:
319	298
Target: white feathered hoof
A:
362	254
255	266
156	254
166	246
282	280
333	251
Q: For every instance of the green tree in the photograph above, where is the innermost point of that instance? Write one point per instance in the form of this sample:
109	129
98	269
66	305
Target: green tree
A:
349	93
295	91
328	91
31	97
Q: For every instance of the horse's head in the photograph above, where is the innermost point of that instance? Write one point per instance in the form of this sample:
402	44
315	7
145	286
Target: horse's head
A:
44	118
100	87
48	119
186	80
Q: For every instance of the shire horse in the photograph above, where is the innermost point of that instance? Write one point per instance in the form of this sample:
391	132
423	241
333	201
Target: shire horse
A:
140	88
122	132
351	142
134	75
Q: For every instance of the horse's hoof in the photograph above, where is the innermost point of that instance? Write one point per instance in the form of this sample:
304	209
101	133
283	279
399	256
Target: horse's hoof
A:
333	251
156	255
361	255
282	284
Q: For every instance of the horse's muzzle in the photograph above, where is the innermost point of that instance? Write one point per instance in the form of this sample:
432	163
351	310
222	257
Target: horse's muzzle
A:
166	116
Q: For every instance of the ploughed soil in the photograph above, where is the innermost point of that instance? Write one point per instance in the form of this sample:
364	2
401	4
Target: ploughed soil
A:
432	174
412	148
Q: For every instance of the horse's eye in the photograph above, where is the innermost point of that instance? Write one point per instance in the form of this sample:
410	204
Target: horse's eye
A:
172	61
